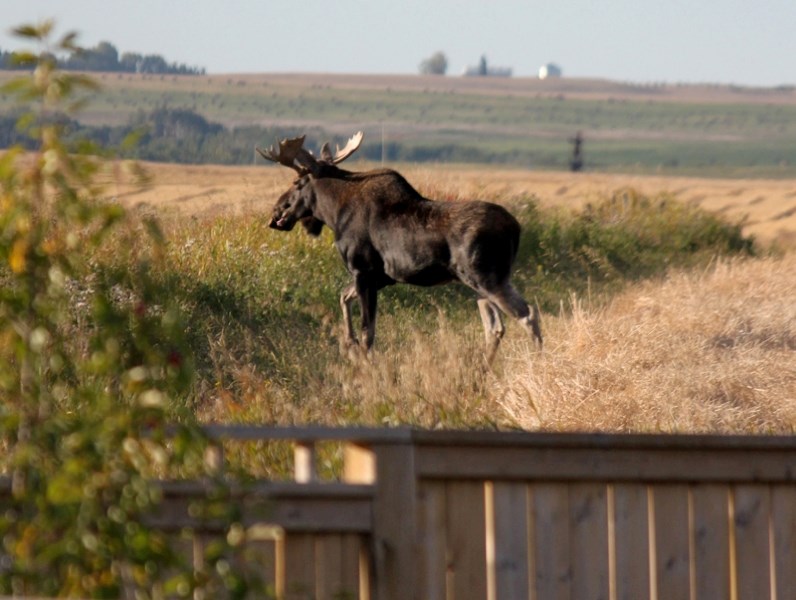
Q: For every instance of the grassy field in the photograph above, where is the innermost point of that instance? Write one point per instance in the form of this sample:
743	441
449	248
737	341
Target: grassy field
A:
643	332
689	130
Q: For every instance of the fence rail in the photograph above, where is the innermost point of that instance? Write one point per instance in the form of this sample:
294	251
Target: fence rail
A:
460	515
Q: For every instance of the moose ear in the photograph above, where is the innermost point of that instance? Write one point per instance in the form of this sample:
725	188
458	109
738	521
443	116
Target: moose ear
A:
326	153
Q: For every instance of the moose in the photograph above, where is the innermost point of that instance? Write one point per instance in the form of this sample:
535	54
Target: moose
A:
387	233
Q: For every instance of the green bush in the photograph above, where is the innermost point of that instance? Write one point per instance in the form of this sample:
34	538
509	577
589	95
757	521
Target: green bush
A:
92	363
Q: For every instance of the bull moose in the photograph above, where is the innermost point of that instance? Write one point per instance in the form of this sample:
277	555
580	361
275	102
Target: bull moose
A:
387	233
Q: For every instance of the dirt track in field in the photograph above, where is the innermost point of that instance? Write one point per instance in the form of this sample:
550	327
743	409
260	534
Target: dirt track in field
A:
768	207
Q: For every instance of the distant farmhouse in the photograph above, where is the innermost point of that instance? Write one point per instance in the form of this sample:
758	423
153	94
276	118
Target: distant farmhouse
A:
549	71
485	70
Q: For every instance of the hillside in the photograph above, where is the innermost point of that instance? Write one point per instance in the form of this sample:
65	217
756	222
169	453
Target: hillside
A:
672	129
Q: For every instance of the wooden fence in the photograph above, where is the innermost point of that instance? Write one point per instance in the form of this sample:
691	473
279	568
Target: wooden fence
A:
421	515
460	515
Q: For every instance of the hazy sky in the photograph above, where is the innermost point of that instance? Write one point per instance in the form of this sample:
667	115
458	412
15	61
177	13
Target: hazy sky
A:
714	41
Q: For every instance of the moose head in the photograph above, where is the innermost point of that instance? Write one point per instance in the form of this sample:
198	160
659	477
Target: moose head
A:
298	203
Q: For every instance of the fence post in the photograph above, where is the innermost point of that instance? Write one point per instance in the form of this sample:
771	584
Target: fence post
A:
304	465
395	522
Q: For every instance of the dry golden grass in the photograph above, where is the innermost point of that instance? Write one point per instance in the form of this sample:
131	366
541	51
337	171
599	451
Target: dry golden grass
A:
711	351
695	352
767	206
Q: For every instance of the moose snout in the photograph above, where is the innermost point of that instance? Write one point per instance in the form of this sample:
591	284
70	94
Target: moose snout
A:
282	222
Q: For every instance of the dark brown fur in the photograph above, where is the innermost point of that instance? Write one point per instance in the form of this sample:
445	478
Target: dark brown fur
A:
387	233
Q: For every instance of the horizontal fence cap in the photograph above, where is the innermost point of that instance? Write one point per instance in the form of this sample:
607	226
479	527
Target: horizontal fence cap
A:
311	433
585	440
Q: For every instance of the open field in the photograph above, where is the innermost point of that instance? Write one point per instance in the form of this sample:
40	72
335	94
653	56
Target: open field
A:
767	207
698	130
711	349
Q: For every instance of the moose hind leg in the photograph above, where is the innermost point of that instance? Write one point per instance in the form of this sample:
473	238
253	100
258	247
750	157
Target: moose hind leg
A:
508	299
493	327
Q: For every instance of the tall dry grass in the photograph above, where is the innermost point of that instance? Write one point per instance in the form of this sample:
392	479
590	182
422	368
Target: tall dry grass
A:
710	351
697	352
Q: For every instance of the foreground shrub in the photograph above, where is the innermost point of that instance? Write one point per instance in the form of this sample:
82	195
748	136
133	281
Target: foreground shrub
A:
91	362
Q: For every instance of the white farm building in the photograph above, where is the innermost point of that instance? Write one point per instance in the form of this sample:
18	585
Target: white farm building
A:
550	70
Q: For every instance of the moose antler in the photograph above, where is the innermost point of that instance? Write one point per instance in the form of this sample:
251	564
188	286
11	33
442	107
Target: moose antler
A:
340	155
289	150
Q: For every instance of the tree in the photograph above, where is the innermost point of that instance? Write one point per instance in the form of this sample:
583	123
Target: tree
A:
436	64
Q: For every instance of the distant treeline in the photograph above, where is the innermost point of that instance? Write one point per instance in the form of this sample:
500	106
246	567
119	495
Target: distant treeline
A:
183	136
162	135
105	57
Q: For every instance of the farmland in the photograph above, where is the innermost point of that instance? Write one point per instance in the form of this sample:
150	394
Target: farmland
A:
669	129
665	290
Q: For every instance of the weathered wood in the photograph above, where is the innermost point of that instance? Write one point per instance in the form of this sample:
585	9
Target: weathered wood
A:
304	469
550	538
337	567
359	464
604	464
295	567
432	563
588	514
508	559
672	541
783	529
711	531
395	521
631	541
752	505
466	539
298	507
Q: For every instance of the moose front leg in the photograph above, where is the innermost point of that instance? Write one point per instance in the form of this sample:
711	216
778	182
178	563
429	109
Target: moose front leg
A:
367	302
367	296
347	298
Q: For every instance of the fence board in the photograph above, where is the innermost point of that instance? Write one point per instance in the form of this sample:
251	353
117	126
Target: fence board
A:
783	528
466	543
394	522
337	571
588	512
672	541
295	566
550	543
711	530
432	559
631	541
752	541
507	540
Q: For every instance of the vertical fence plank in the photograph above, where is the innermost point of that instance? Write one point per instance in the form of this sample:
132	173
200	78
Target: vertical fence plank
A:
395	521
550	539
672	541
752	542
783	527
337	566
588	512
711	529
466	528
507	540
295	566
631	542
432	562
